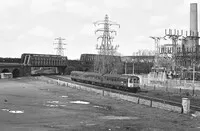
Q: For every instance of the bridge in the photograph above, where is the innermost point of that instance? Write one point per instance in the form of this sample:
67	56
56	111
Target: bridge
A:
43	60
24	65
140	64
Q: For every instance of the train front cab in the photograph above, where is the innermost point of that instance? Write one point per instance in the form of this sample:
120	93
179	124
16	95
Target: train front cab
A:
133	84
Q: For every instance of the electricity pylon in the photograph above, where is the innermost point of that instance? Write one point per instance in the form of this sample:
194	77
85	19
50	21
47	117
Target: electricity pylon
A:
175	37
106	47
157	46
59	48
105	61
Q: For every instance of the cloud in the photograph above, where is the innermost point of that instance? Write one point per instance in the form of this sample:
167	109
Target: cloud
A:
10	3
184	8
139	38
20	37
80	8
43	6
70	38
41	31
88	29
160	32
157	20
147	4
117	3
9	27
142	42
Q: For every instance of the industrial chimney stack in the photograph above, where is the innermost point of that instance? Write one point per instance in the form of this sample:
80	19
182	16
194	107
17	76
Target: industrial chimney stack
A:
193	18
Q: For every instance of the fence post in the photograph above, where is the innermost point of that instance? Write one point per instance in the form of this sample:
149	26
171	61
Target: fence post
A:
58	81
154	87
193	92
180	90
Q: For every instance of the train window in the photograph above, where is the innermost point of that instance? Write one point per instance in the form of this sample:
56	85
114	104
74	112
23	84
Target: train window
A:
136	80
125	81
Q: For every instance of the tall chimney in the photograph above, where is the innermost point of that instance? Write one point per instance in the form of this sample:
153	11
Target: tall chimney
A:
193	19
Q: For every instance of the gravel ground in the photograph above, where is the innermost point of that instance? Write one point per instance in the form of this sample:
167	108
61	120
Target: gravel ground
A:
31	105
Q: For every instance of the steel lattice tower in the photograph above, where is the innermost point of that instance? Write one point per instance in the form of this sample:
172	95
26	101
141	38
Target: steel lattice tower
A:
157	46
106	47
59	48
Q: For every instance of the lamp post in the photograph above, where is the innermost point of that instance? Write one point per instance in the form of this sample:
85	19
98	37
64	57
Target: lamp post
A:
133	66
193	88
126	67
194	39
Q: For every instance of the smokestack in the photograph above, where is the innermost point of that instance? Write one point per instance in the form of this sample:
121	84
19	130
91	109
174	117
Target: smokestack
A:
193	18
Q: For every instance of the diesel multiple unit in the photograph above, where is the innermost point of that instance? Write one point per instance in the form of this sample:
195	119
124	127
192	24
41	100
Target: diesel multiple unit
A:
121	82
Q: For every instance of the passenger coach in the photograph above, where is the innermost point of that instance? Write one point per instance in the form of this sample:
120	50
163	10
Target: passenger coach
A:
121	82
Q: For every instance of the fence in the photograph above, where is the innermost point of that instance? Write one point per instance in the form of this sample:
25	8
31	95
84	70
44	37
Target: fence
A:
170	85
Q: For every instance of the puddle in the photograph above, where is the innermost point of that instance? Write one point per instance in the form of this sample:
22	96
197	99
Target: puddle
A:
13	111
90	124
62	105
64	96
16	112
53	102
119	118
5	109
80	102
51	105
99	107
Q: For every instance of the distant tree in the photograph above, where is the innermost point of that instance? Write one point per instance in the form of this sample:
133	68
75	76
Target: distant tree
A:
165	62
144	53
108	64
69	69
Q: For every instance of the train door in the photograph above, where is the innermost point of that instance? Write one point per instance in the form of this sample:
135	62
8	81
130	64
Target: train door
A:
130	82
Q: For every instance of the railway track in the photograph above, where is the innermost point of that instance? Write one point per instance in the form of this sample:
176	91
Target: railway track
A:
163	97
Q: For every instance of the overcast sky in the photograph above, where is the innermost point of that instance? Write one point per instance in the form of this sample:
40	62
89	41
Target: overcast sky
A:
30	26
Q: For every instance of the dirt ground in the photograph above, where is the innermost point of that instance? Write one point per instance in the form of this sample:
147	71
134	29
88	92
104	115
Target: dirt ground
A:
27	104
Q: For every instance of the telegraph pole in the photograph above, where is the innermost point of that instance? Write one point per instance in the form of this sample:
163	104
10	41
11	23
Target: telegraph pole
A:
59	49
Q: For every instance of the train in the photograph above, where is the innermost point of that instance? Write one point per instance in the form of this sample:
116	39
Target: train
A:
121	82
